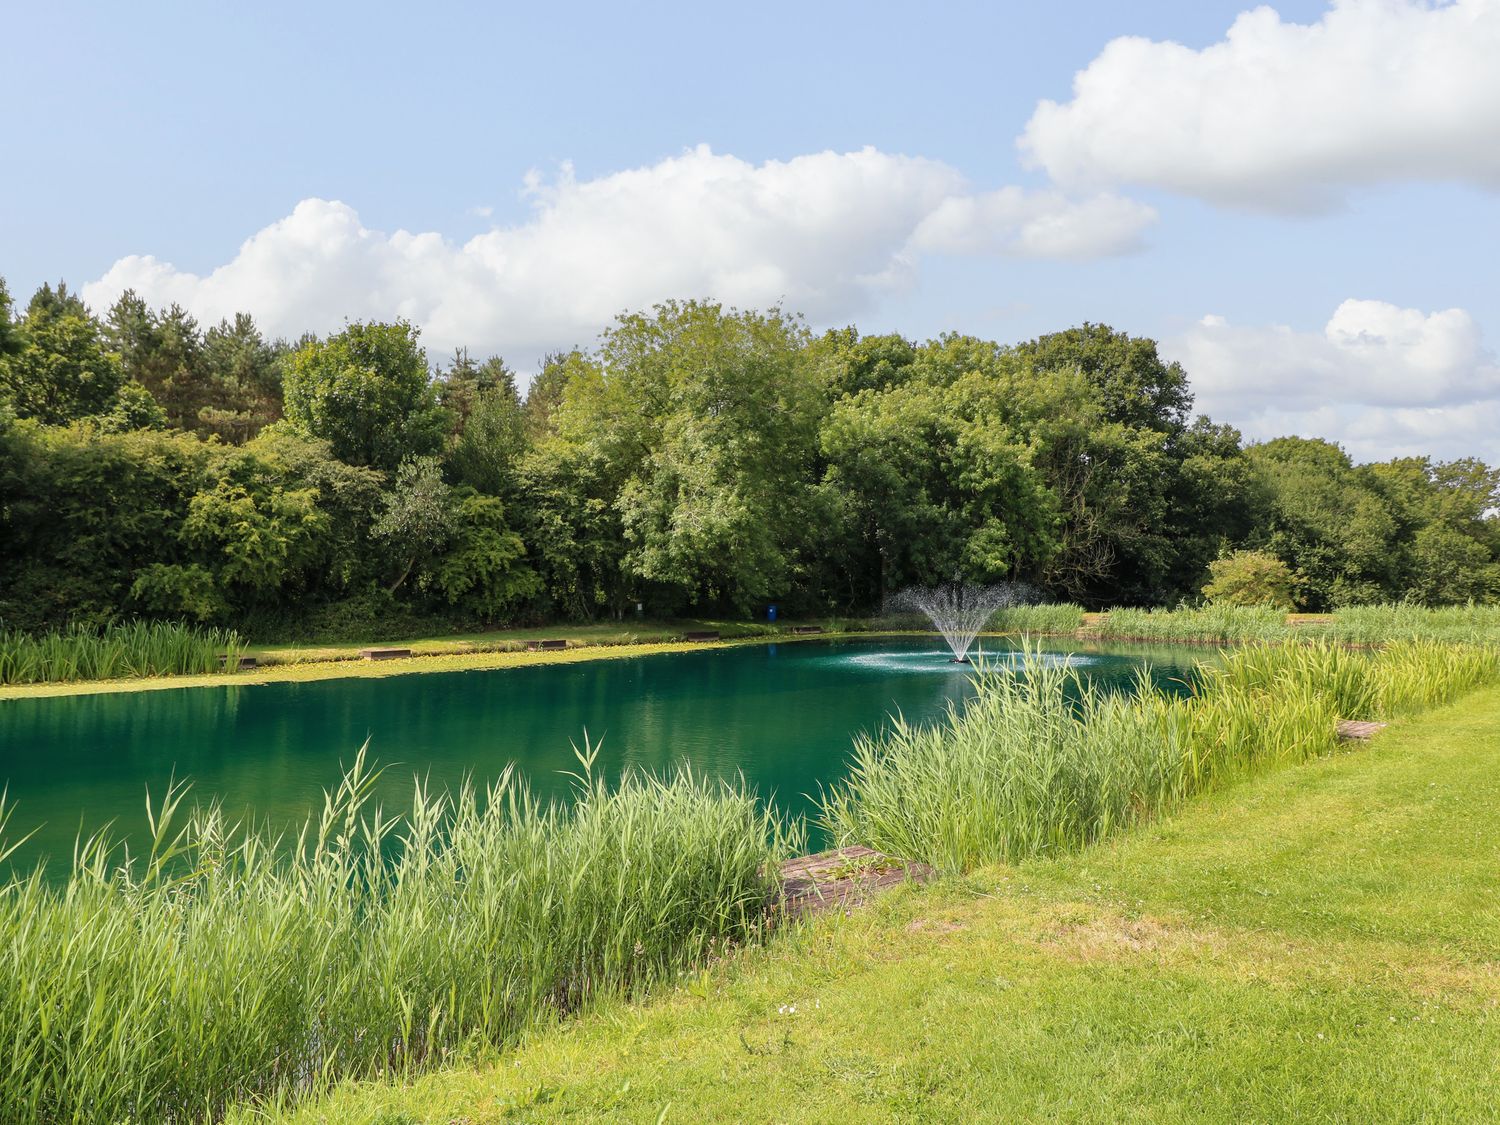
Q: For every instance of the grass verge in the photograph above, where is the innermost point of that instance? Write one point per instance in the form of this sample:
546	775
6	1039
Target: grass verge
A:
1317	943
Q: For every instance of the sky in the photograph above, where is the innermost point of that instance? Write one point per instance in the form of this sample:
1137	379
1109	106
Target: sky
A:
1300	202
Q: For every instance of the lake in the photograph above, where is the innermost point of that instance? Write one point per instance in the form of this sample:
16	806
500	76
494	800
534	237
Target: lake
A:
781	715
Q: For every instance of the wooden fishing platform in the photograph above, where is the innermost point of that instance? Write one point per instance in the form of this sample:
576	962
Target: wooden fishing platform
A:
384	653
1358	729
551	645
805	630
702	635
842	879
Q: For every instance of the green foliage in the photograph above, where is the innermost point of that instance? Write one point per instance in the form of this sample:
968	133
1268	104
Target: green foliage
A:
710	421
484	568
377	945
1251	578
366	391
418	520
138	648
1041	762
61	371
700	459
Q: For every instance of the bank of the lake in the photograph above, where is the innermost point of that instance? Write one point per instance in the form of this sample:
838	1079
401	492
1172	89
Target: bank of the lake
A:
1317	943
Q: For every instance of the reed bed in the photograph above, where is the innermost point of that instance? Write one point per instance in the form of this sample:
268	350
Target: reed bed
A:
1377	624
1212	624
226	966
137	648
1044	762
1062	617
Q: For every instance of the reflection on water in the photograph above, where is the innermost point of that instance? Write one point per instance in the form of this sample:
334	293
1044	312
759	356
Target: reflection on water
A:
780	715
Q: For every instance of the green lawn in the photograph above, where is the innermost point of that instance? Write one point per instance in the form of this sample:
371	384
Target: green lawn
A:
1320	944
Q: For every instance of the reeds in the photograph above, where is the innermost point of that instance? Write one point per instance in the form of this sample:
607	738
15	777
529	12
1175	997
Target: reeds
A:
226	966
137	648
1211	624
1037	620
1044	761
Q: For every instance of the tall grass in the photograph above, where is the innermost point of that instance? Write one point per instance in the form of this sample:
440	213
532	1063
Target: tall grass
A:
1062	617
1044	762
1212	624
1377	624
137	648
1367	625
227	966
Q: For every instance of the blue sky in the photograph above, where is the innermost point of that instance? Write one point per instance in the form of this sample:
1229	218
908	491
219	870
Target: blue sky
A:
1321	182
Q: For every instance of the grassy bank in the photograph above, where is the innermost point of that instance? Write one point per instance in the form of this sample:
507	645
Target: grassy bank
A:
129	650
1046	762
223	967
1315	944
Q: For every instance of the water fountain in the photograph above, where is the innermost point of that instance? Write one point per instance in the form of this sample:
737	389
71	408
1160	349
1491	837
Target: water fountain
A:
958	610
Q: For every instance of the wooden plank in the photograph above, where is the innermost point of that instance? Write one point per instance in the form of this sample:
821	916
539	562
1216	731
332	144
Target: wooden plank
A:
384	653
1359	729
807	629
843	879
702	635
546	646
241	664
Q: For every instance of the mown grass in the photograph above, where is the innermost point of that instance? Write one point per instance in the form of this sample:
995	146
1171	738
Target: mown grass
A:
1044	762
1317	944
225	966
132	649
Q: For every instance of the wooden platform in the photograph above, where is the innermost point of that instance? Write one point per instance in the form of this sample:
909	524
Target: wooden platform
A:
1358	729
842	879
384	653
702	635
240	664
803	629
546	646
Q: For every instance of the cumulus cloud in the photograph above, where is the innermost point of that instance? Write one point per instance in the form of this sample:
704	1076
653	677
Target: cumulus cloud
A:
1383	380
1284	116
825	233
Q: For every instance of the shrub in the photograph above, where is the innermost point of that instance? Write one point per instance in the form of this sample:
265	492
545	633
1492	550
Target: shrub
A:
1252	578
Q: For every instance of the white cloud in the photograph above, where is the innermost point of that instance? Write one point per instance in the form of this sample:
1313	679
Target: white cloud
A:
1382	380
825	233
1285	116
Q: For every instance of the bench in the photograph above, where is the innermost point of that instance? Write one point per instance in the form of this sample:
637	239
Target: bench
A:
546	646
702	635
384	653
241	664
805	629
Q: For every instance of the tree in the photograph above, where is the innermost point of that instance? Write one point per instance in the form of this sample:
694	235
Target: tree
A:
491	424
1135	386
244	377
11	342
484	566
366	391
61	372
1251	578
711	416
545	394
418	520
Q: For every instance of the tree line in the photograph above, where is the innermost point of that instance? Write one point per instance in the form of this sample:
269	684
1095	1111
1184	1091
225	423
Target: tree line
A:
696	459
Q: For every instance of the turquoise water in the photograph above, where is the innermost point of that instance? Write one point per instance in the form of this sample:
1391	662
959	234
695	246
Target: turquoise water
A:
780	715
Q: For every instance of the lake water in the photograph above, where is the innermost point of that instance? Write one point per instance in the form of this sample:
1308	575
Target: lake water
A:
782	715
